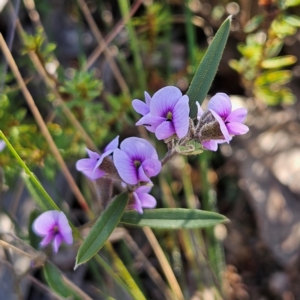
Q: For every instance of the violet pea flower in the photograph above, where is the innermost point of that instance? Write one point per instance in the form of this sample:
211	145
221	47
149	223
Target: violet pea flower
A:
141	199
91	167
168	113
54	227
231	122
136	161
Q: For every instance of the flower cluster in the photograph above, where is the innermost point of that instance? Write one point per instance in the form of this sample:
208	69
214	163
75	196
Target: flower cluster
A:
166	114
135	162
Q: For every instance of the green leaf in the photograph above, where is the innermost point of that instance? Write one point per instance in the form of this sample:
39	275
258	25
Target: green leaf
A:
173	218
55	280
102	229
207	68
276	77
292	20
282	28
33	238
278	62
289	3
253	23
273	47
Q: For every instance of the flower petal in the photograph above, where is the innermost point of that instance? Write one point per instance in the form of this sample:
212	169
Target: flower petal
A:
211	145
221	104
200	110
47	239
92	154
237	128
142	175
112	145
223	127
140	107
138	149
147	99
136	204
164	130
125	167
86	166
164	100
143	189
180	118
147	201
150	122
45	222
56	242
237	115
151	167
64	228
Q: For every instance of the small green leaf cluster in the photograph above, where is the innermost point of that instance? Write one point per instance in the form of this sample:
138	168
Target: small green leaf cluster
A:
260	67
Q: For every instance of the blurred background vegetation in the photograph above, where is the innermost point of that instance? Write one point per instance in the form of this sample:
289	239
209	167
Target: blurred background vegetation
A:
83	62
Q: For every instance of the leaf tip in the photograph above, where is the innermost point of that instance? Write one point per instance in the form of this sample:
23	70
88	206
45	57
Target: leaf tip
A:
229	18
76	266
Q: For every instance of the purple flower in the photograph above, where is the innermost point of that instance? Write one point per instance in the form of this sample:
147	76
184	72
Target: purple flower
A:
2	145
90	166
231	122
54	227
141	199
168	113
136	160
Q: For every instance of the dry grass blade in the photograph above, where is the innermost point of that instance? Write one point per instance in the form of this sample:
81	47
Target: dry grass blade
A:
119	77
164	263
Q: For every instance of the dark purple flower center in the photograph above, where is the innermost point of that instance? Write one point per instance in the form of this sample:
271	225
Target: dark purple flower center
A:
169	116
55	229
137	163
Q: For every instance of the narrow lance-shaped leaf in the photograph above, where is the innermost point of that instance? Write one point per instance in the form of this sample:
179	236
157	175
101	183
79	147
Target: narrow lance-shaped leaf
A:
278	62
102	229
207	68
173	218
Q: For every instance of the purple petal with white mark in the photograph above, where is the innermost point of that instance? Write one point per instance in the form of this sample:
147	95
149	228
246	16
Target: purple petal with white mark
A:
151	167
221	104
223	127
45	222
164	130
140	107
180	117
237	115
237	128
125	167
64	228
164	100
